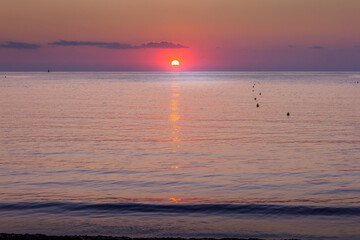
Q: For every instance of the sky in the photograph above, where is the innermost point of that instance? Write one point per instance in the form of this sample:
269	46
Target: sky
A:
145	35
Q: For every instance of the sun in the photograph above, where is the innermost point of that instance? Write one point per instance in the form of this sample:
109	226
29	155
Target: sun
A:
175	63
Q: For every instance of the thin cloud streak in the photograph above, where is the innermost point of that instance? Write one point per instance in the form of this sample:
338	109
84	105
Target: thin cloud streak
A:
317	47
113	45
20	45
116	45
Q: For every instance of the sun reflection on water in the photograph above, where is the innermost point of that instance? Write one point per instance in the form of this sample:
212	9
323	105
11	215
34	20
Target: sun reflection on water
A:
174	114
176	200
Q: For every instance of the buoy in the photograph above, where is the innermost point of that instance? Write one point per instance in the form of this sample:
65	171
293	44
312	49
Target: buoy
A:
257	105
255	99
259	93
288	114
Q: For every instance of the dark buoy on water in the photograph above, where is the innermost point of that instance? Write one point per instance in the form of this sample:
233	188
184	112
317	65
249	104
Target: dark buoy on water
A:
255	99
257	105
259	93
48	70
288	114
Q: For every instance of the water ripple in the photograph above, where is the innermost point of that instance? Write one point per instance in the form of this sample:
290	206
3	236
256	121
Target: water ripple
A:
218	209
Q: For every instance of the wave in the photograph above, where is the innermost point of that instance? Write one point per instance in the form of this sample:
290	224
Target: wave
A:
183	209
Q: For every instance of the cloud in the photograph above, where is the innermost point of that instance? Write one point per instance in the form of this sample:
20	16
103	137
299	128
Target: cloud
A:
162	44
97	44
20	45
317	47
116	45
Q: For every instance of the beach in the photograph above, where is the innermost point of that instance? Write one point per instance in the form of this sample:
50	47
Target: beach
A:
5	236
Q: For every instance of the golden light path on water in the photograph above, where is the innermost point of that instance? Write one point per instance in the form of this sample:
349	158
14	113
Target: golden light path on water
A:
174	119
175	114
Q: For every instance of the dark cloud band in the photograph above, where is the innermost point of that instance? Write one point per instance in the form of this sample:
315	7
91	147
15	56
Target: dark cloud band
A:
20	45
163	44
116	45
113	45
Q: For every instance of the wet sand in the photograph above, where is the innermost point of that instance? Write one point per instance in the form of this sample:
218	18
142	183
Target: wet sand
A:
8	236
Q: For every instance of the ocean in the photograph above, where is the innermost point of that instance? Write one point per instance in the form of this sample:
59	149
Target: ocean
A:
181	154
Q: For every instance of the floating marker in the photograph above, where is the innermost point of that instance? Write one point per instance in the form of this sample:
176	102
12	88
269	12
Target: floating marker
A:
257	105
288	114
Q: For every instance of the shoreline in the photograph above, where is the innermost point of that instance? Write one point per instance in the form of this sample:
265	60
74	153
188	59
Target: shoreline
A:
26	236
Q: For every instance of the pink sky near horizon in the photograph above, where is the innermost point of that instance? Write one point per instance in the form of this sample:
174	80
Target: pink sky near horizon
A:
220	35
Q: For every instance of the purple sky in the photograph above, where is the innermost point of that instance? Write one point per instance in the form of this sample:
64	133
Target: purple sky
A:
142	35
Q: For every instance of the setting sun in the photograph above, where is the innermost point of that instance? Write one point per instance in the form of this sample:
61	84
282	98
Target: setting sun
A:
175	63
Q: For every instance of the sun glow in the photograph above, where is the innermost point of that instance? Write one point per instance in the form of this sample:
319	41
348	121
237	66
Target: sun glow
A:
175	63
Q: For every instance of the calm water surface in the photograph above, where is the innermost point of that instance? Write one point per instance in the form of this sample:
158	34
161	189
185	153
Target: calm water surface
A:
181	154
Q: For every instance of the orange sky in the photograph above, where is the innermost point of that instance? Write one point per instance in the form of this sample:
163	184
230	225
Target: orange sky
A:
226	34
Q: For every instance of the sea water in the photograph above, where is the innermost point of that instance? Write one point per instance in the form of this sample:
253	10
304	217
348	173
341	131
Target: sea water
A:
181	154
